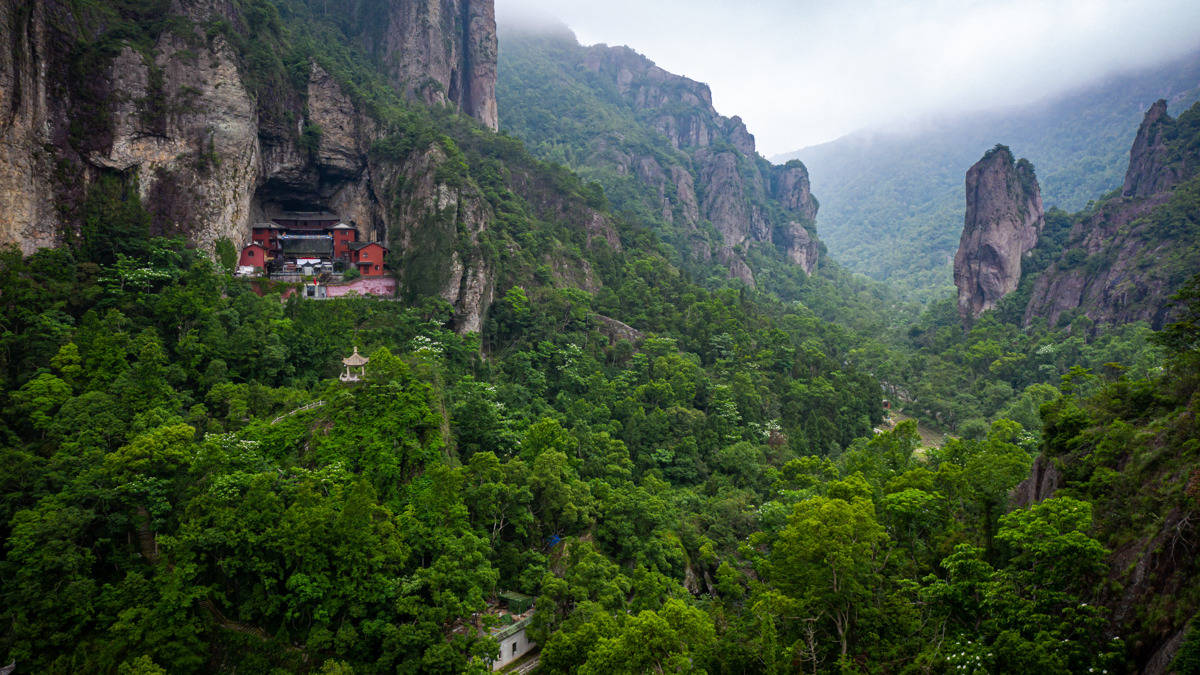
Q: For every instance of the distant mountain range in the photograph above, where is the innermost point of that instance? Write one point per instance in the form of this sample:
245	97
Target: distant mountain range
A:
892	199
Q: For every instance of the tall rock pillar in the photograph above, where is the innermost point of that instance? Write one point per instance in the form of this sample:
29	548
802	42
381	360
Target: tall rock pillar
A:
1003	220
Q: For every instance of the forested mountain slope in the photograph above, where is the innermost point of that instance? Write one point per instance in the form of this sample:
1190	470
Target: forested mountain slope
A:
687	472
892	198
661	151
188	487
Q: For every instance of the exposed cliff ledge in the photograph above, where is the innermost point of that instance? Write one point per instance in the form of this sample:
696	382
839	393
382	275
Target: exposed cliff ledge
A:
1003	220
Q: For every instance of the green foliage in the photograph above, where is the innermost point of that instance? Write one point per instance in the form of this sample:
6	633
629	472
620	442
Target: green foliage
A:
310	138
1187	659
227	254
683	472
113	222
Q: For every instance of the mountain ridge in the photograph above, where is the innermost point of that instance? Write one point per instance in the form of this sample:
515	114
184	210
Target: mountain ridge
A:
657	145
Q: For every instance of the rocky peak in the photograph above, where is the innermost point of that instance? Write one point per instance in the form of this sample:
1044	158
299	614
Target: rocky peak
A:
1003	220
790	185
1130	264
739	136
682	108
444	52
1150	170
730	178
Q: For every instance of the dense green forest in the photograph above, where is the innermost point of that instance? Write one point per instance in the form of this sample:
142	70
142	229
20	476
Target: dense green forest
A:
174	500
689	475
891	200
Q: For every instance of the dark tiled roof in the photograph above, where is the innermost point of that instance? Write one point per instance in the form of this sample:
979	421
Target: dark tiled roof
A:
303	245
359	245
307	215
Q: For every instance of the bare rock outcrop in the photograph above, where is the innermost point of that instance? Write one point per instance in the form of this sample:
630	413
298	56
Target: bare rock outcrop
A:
345	134
725	203
790	185
1003	220
615	330
27	109
801	246
1044	478
197	160
1118	287
444	52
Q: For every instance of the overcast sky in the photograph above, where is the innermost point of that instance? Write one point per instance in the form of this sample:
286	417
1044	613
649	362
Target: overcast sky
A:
801	72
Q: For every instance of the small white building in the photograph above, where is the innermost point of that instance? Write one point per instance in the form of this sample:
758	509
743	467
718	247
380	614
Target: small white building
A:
513	642
510	634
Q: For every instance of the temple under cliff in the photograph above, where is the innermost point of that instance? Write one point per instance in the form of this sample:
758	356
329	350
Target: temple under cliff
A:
298	244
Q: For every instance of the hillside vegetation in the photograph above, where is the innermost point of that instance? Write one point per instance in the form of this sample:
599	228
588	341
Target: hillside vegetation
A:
682	468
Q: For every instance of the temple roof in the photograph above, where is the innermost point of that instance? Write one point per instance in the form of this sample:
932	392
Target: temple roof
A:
359	245
319	245
355	360
307	215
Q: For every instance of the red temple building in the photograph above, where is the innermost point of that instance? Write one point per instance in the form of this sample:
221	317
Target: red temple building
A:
343	236
254	255
307	243
368	256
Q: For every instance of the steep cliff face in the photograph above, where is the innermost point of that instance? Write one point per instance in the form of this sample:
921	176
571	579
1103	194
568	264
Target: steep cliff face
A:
27	214
212	149
176	117
732	180
659	148
1107	273
1123	260
444	52
1003	220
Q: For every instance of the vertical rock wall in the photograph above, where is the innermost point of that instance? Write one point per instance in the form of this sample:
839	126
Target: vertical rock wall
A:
28	216
444	52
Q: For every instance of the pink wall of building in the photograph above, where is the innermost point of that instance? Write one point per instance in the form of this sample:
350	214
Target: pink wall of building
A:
382	286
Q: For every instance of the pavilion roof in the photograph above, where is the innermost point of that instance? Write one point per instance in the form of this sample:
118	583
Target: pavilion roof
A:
355	360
